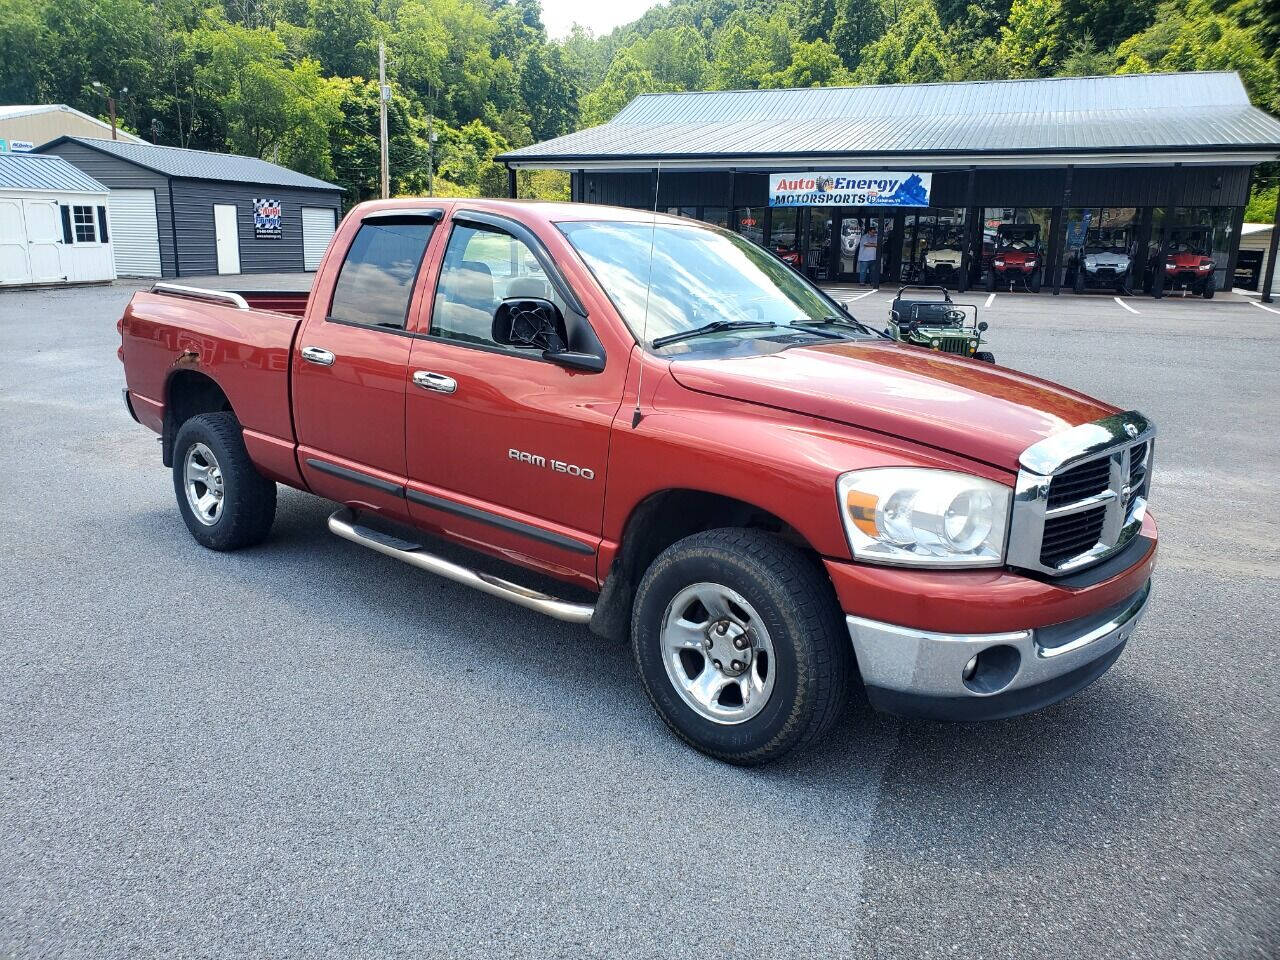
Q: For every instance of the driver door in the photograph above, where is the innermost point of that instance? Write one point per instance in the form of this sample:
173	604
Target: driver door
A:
505	450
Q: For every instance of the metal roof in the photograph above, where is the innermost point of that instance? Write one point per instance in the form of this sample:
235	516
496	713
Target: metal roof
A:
14	111
1133	113
201	164
27	171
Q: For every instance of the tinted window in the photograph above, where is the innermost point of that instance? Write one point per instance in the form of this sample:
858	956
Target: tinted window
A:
376	280
482	267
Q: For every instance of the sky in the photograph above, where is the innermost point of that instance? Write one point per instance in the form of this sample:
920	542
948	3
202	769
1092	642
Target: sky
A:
600	16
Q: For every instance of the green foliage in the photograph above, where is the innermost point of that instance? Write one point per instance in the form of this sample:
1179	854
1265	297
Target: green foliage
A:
295	80
1262	206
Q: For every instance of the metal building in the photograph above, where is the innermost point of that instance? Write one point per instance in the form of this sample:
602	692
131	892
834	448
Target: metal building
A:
182	213
54	223
1141	165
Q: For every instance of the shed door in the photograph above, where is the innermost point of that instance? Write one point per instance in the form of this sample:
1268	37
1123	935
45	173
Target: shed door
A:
135	233
318	225
14	266
44	237
227	237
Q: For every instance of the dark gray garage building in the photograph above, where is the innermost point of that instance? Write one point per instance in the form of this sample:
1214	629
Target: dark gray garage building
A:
182	213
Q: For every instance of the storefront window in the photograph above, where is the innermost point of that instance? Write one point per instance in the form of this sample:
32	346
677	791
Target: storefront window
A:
818	264
1097	248
784	239
751	223
717	215
933	246
1026	228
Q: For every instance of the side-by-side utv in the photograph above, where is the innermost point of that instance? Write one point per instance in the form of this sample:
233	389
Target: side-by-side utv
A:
1017	259
1105	262
1187	261
938	324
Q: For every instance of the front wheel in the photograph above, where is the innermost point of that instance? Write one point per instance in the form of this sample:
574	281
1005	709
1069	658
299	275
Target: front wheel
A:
740	645
985	356
990	281
224	501
1035	282
1210	285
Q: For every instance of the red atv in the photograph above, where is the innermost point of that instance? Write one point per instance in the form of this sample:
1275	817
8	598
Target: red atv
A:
1187	262
789	255
1017	257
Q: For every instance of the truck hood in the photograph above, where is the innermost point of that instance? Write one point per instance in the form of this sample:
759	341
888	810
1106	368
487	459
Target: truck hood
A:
1116	261
967	407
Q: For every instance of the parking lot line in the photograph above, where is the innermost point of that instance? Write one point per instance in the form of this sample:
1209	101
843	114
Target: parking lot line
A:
991	298
1262	307
861	295
1123	304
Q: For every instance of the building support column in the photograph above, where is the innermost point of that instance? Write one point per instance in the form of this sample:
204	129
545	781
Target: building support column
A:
880	250
1237	224
966	251
1055	254
1170	214
512	188
1270	272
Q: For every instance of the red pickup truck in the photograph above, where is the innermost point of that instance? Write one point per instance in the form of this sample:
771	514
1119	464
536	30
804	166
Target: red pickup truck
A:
673	437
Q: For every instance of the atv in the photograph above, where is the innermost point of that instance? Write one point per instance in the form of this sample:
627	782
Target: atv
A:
942	266
1017	257
1188	265
1105	262
938	324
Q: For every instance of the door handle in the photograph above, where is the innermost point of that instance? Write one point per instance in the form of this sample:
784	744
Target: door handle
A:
435	381
318	355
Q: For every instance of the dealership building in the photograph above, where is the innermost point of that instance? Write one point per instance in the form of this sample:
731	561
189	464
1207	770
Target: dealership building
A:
951	175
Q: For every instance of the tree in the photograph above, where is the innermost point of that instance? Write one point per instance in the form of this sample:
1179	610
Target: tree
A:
23	69
912	50
344	37
550	90
625	80
813	64
1033	42
856	24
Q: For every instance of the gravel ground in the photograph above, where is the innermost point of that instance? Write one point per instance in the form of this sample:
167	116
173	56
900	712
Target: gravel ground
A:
309	750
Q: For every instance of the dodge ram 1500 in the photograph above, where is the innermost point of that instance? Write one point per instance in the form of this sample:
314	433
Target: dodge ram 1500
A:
673	437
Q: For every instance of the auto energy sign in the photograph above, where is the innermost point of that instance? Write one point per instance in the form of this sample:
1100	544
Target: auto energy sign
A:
875	189
266	219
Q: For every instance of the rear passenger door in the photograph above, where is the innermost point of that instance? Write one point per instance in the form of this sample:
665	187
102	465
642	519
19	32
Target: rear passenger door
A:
506	449
351	364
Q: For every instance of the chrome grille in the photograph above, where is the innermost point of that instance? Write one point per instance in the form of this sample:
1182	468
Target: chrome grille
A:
1082	494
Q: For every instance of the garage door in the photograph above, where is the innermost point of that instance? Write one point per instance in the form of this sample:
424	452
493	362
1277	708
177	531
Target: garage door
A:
318	224
134	233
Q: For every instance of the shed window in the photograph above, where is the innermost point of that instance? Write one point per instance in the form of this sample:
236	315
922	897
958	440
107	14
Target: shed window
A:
85	224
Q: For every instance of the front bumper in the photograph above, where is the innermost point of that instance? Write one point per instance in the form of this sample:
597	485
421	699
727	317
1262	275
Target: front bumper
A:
955	676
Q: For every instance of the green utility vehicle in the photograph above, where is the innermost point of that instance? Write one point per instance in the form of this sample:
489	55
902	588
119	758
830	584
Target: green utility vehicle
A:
938	324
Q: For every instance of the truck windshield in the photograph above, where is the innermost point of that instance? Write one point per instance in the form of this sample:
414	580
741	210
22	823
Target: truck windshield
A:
701	276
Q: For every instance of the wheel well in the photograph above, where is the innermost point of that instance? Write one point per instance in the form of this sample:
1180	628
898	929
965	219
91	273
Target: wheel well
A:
188	394
659	521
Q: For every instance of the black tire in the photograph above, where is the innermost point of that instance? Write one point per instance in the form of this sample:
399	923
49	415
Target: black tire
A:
1210	285
248	502
1078	284
985	356
990	281
1035	282
812	660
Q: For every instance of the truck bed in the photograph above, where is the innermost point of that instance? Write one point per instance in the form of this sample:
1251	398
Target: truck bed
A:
175	331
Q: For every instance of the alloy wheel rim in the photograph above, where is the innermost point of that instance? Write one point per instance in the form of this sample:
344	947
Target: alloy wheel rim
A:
717	653
204	484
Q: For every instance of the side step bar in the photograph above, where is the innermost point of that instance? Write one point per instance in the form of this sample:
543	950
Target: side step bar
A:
345	525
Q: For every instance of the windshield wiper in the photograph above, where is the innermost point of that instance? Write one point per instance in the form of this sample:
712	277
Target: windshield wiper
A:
715	326
839	322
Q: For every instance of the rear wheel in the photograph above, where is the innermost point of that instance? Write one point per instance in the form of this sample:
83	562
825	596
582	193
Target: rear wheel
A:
990	281
224	501
740	645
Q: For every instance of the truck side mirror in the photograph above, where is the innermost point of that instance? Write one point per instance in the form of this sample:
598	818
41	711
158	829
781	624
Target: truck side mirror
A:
537	324
529	322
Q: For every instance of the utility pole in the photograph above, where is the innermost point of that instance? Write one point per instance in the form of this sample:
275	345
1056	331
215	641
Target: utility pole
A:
111	103
384	94
431	156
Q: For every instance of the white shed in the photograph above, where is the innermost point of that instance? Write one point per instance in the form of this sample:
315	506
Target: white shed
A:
54	226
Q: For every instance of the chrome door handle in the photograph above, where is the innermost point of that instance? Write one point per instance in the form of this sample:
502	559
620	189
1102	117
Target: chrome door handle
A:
318	355
435	381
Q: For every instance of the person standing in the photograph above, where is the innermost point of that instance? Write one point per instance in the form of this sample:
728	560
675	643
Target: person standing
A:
868	250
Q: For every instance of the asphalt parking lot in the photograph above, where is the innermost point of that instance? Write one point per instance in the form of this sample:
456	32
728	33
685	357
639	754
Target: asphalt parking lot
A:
309	750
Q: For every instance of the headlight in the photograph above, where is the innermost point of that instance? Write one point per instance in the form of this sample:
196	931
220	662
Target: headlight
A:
999	263
917	517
